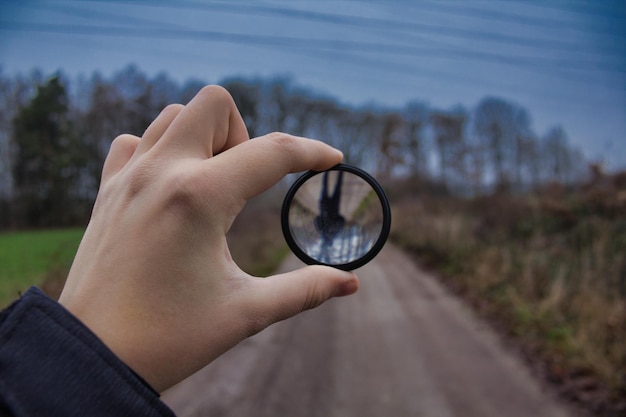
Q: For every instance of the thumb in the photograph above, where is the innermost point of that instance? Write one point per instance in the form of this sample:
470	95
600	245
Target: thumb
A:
282	296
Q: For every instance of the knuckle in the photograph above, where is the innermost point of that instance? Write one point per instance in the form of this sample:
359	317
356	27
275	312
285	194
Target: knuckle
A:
124	140
174	107
216	92
282	142
182	191
138	179
315	296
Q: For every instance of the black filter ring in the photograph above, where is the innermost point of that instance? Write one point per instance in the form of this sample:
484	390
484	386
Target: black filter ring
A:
384	232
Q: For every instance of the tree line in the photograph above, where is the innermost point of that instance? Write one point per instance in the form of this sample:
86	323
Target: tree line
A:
55	133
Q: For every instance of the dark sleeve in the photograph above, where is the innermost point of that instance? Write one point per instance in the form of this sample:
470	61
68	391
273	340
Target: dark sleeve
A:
53	365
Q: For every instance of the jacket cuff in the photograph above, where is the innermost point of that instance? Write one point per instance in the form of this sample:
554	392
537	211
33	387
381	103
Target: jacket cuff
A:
52	364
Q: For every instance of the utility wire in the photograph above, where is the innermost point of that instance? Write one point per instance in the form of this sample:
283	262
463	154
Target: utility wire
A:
465	53
537	63
375	23
538	21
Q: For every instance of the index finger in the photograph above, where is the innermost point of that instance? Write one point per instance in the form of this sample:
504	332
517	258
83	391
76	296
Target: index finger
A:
256	165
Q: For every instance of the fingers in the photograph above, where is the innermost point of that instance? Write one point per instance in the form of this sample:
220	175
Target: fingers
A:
282	296
122	149
158	127
208	125
255	166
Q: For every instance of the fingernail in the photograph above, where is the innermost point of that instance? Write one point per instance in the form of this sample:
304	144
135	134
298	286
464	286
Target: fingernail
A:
348	287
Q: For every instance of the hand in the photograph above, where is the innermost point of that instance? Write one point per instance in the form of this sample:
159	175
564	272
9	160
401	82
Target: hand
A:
153	276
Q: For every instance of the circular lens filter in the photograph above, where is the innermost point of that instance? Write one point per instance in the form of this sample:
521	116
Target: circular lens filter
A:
339	217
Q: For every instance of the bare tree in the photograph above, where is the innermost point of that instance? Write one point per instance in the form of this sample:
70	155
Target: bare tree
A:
562	163
494	145
415	119
494	124
448	131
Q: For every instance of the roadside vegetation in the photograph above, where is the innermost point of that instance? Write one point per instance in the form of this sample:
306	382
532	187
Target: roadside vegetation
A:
547	268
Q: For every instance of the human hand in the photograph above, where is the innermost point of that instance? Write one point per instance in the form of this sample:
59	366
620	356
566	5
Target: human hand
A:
153	276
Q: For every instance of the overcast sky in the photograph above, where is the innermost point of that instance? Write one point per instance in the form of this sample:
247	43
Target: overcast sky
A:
564	61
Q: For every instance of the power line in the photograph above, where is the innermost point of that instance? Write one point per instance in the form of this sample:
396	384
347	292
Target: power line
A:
461	79
467	53
97	15
309	43
357	59
519	19
350	52
376	23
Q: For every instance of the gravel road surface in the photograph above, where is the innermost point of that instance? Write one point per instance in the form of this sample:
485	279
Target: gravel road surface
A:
402	346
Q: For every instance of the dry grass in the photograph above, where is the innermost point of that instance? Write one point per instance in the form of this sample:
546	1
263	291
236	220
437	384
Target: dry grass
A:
552	269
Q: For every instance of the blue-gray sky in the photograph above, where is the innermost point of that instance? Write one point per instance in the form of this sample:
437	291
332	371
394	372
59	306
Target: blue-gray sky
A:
564	61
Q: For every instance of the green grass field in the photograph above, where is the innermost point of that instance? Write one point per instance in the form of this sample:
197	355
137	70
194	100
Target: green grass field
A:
27	257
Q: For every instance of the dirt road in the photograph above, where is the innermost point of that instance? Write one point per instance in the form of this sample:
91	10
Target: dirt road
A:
402	346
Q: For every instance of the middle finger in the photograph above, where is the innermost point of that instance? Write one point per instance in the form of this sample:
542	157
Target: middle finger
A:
208	125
